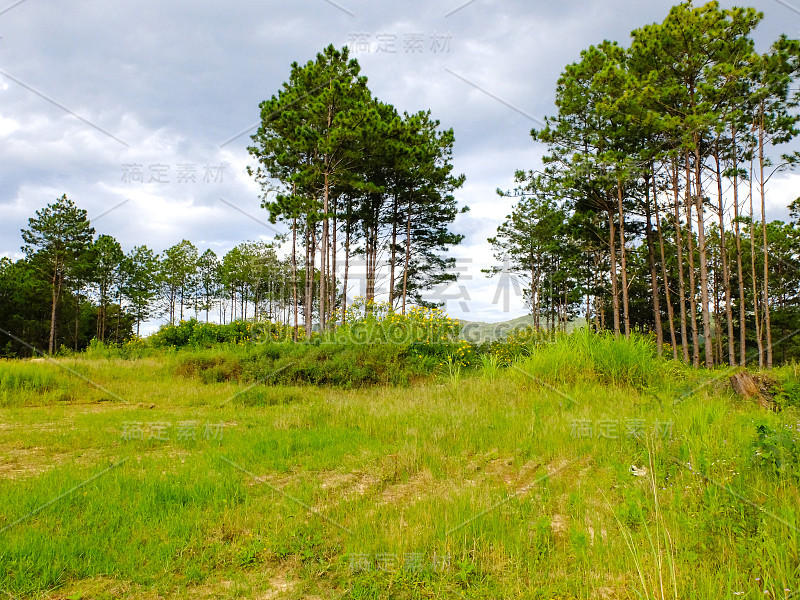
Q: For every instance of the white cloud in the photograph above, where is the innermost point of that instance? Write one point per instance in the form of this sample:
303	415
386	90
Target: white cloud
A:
8	126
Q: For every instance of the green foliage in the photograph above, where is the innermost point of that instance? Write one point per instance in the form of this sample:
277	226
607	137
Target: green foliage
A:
787	393
324	364
210	369
178	278
490	366
426	334
343	156
375	346
776	451
535	243
196	334
518	343
139	271
57	242
273	395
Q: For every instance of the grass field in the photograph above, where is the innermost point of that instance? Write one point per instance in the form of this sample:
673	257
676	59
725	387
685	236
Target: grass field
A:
579	472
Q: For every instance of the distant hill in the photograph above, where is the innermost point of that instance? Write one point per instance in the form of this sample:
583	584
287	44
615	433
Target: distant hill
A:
479	332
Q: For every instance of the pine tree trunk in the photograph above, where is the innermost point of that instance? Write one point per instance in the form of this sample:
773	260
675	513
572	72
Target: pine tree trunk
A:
323	266
739	267
308	310
56	284
726	276
371	242
623	253
534	289
653	276
718	360
119	317
759	338
78	320
688	205
588	287
294	277
334	287
346	265
767	323
408	255
668	299
681	280
599	312
701	241
393	254
612	248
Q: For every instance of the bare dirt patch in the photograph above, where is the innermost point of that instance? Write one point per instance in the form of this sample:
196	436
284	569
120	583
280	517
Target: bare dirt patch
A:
20	463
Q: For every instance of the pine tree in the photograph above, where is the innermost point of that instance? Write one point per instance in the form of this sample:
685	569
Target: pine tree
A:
56	240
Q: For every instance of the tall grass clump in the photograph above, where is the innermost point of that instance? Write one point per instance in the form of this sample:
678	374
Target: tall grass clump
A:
25	381
18	375
602	357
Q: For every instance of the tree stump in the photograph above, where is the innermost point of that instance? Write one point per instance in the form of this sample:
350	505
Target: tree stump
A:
753	388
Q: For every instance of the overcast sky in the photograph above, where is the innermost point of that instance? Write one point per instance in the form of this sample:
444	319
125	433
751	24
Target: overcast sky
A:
141	111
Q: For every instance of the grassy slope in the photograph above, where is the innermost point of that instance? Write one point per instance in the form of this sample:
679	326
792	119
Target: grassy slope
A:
478	487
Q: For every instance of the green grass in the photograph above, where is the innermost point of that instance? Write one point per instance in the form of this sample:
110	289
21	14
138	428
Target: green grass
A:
475	484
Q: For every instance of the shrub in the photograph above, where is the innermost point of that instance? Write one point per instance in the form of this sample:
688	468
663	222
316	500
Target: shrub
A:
339	365
786	392
289	363
195	334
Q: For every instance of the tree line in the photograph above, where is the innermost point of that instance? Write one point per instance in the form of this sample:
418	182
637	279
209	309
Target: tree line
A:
73	286
650	212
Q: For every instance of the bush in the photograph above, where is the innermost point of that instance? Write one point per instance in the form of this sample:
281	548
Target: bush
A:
195	334
338	365
135	347
289	363
371	323
272	396
786	390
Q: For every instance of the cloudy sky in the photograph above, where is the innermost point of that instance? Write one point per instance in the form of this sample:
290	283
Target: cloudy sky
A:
141	111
